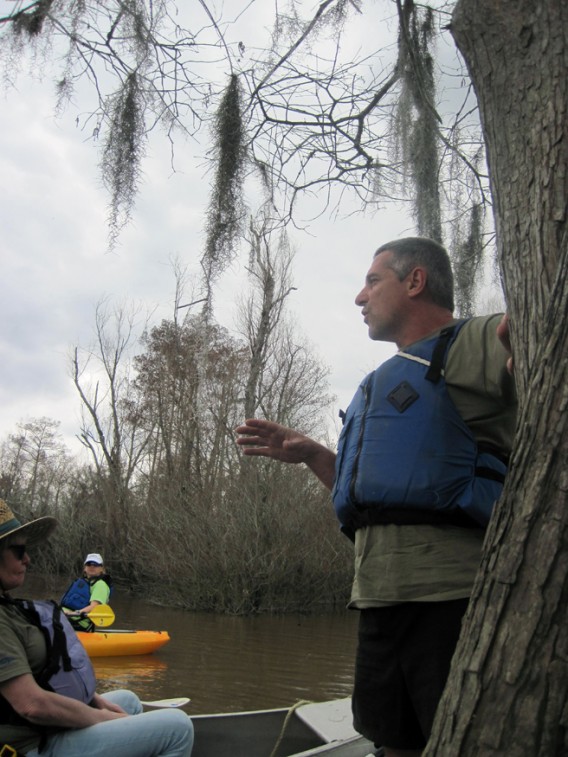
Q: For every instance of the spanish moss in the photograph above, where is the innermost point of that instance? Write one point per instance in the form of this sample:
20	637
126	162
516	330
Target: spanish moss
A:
416	119
226	212
466	259
31	20
123	152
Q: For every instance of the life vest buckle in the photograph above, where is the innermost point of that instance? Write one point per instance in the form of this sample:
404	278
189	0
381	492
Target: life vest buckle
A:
8	751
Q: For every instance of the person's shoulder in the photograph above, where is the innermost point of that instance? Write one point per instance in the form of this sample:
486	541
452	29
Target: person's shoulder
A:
8	608
102	580
477	350
10	617
481	321
4	613
480	328
100	590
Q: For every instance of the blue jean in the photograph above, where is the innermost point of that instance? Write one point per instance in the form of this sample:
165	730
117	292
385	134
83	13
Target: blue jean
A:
159	733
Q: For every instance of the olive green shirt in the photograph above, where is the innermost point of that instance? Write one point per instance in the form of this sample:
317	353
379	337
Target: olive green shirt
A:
22	650
425	563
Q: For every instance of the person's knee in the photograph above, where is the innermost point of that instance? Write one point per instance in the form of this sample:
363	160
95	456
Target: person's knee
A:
180	724
126	699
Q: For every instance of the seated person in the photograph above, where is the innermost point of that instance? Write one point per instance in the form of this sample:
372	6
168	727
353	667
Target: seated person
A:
87	593
48	706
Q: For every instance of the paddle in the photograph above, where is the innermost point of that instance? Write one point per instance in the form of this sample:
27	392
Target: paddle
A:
102	616
175	702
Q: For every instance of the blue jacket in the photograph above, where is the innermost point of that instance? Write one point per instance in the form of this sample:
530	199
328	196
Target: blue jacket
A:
405	455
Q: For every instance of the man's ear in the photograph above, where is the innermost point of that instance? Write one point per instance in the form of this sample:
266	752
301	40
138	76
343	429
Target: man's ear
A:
416	281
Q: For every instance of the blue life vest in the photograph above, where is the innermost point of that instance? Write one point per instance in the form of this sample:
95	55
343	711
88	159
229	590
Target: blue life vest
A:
68	669
405	455
78	595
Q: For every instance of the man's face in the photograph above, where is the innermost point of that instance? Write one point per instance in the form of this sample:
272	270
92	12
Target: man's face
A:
383	299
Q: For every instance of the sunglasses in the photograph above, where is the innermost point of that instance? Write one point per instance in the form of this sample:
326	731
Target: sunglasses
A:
93	564
19	550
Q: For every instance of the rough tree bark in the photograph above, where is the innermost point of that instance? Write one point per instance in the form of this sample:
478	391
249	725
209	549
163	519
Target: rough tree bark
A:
508	689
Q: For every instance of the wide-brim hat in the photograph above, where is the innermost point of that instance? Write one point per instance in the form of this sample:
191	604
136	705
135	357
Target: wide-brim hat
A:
34	532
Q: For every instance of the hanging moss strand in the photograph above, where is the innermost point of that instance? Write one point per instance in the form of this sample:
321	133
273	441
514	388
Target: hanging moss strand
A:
226	209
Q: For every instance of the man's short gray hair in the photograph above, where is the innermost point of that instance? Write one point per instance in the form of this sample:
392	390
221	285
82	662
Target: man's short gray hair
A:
421	251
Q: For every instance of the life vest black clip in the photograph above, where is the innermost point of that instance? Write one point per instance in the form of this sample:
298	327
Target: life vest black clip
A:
8	751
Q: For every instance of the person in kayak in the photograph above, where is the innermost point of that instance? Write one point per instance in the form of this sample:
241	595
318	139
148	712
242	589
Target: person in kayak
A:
48	701
86	593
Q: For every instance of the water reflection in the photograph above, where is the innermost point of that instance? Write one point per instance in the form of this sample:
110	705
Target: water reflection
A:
132	673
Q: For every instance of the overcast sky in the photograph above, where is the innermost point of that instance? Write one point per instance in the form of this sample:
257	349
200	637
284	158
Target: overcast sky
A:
55	266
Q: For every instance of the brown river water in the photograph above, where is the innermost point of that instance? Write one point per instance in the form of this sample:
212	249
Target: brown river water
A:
230	664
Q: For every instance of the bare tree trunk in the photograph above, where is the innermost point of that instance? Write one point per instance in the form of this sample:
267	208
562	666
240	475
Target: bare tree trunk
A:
110	425
507	693
269	270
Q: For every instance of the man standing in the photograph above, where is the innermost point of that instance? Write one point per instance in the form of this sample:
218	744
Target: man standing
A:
420	461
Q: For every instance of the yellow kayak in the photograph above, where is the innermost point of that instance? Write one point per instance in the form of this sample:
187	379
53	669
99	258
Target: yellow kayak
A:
118	643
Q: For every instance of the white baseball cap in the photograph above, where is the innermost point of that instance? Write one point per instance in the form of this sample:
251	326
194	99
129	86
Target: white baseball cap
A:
93	557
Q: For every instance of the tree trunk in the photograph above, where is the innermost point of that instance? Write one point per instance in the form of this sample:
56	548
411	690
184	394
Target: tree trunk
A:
507	692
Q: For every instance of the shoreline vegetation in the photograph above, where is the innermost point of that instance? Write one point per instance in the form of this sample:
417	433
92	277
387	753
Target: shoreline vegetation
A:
179	514
305	590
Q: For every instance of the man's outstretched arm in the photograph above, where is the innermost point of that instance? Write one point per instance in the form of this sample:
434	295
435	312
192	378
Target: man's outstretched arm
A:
268	439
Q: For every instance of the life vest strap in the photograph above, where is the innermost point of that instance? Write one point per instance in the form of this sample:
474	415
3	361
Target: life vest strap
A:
376	515
489	473
438	361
